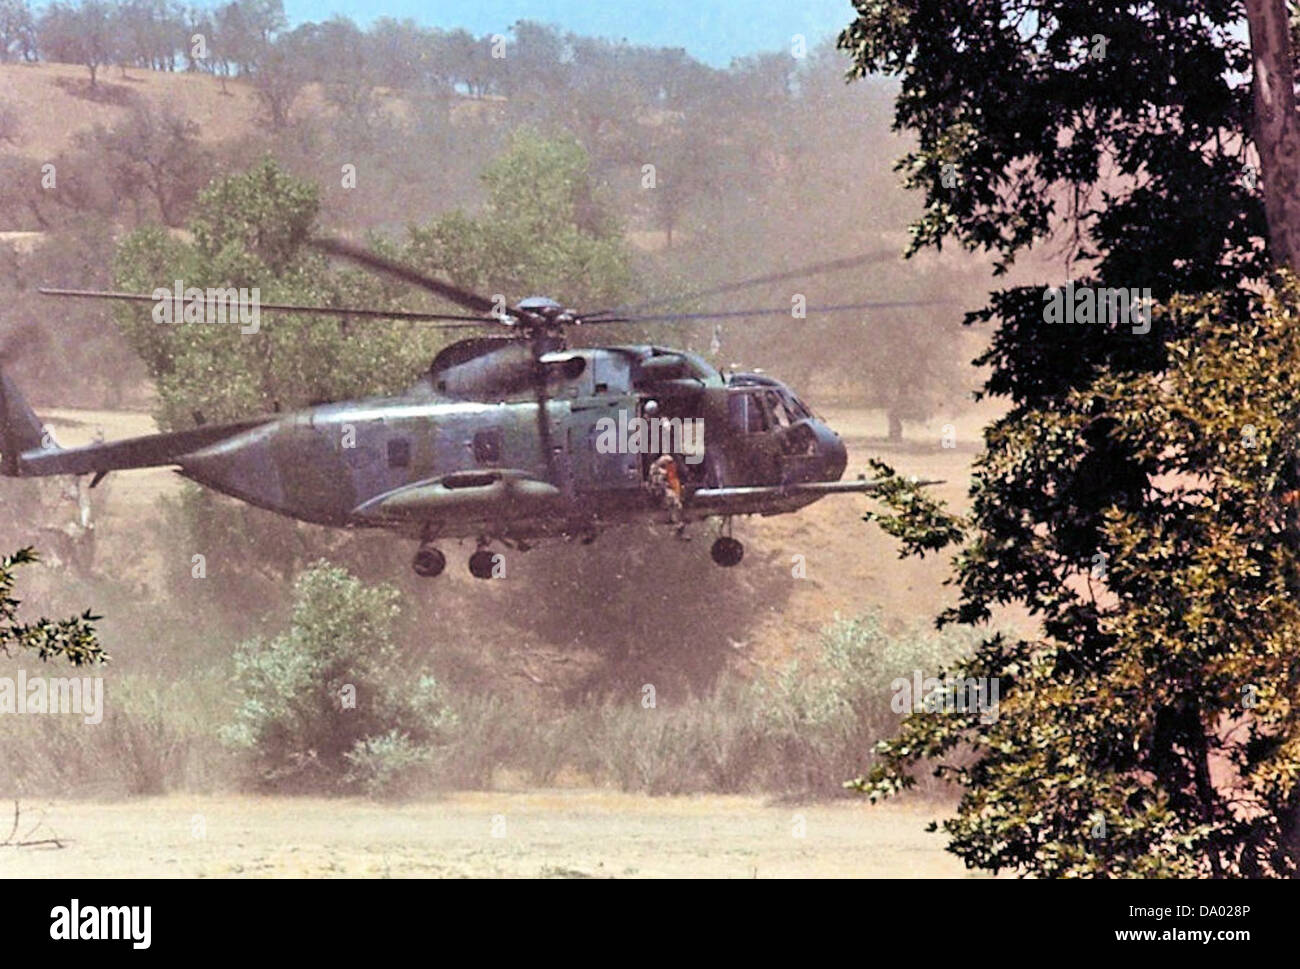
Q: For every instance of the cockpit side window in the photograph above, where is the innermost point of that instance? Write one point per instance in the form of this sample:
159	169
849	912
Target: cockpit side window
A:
779	415
747	412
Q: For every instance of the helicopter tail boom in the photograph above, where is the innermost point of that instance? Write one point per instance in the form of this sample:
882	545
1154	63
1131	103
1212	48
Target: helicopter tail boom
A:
27	450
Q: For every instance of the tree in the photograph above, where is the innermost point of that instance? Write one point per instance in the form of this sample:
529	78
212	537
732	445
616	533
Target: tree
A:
278	72
685	168
221	35
399	53
71	639
536	61
241	28
544	229
148	32
251	35
1277	130
349	82
605	103
84	35
1137	497
470	61
17	31
249	230
151	152
333	702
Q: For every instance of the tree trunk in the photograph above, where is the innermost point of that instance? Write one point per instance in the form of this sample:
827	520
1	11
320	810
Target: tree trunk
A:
895	426
1277	130
1278	142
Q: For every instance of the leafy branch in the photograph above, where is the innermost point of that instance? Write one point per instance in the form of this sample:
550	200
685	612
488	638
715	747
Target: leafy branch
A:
71	639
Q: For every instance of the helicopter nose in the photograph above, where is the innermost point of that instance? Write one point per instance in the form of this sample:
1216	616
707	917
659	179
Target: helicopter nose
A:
834	454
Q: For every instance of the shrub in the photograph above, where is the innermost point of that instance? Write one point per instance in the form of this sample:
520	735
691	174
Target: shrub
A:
386	766
324	704
827	716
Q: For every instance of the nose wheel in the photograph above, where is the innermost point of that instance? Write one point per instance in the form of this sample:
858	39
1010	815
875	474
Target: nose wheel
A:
429	562
727	551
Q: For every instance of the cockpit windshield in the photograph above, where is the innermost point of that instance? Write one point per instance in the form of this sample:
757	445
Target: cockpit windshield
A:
765	402
796	406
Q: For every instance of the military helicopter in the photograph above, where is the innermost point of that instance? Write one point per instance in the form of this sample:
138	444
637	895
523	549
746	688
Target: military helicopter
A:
506	439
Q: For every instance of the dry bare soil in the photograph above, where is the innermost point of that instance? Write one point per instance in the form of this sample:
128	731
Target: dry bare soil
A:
522	834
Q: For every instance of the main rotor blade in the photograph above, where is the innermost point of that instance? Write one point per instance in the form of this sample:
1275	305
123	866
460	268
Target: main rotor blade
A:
283	307
818	269
784	311
380	264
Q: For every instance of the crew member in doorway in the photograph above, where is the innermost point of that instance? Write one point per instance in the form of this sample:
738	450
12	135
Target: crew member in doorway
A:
666	485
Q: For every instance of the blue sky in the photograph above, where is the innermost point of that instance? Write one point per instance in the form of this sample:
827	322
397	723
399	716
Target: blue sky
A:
713	31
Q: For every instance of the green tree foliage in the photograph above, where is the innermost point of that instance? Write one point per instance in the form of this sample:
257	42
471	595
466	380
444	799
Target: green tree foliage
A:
1147	728
71	639
544	229
1047	112
1165	744
333	702
249	230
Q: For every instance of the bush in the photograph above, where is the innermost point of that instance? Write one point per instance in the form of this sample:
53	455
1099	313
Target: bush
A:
386	766
828	716
333	703
805	732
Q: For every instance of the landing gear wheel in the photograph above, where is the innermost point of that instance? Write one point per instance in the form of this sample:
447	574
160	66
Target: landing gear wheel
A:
481	564
429	562
727	552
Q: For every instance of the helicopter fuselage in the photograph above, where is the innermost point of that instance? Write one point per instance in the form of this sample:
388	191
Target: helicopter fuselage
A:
439	464
503	441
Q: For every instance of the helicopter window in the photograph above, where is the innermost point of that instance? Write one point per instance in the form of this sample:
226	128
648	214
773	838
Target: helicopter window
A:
399	453
747	413
796	407
487	447
776	408
800	442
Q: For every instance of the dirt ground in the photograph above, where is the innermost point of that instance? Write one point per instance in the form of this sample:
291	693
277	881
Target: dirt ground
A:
523	834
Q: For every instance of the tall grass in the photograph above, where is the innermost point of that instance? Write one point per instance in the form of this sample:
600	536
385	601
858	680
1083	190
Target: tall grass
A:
805	731
801	730
155	736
